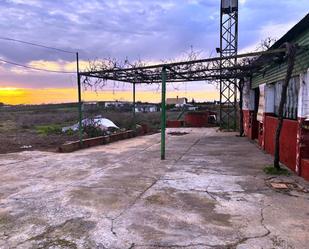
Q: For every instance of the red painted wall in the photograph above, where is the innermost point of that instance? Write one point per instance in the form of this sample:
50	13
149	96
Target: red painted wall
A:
250	124
198	119
294	140
174	123
288	139
305	169
261	134
303	149
304	126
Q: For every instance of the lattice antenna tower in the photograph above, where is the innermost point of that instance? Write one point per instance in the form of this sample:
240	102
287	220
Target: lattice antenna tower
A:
228	47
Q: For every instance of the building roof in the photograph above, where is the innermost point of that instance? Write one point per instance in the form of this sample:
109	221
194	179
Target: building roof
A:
175	101
275	71
292	34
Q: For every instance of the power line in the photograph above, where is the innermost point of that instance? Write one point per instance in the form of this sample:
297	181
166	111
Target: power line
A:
35	68
37	45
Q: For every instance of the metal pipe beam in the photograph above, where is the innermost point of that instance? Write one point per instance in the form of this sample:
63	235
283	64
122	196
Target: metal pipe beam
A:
163	113
268	52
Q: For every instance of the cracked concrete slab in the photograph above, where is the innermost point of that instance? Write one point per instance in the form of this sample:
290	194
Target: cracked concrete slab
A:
211	192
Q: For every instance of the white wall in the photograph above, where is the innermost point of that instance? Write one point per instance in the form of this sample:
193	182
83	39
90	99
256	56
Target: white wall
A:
303	97
269	98
266	101
248	97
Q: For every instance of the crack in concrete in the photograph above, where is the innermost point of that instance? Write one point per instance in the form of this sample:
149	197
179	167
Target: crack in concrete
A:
228	246
130	211
245	239
132	246
211	194
175	245
186	151
129	207
44	234
145	190
172	179
262	221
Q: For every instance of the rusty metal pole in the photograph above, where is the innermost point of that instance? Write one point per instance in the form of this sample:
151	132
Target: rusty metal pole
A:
80	114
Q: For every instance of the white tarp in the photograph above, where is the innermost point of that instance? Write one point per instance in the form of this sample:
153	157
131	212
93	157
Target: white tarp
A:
100	122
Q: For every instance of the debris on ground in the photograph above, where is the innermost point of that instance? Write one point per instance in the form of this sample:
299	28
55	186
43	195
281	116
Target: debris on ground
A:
279	185
26	147
177	133
286	185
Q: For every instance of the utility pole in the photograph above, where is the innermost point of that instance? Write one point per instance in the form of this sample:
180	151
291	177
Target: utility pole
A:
80	114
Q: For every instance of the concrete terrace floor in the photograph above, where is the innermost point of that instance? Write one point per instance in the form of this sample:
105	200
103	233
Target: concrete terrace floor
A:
211	192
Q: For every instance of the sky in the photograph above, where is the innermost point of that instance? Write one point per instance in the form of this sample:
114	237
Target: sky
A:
150	30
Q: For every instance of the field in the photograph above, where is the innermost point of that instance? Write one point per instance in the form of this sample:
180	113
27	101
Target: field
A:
40	128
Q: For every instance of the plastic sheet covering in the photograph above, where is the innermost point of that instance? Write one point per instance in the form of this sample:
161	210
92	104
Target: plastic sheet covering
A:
100	122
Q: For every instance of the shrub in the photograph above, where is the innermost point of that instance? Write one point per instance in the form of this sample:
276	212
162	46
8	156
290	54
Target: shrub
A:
48	129
92	129
271	170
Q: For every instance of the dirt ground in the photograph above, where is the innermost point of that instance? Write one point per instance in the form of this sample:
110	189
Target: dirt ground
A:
19	130
210	192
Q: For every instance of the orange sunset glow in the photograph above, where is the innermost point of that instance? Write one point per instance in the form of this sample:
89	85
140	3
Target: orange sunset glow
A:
15	96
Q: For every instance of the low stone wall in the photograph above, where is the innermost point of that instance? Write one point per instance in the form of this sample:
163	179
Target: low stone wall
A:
90	142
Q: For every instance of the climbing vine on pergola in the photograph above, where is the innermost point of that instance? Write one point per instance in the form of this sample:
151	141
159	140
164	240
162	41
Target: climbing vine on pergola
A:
209	70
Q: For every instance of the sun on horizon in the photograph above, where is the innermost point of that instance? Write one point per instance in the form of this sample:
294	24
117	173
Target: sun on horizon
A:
17	96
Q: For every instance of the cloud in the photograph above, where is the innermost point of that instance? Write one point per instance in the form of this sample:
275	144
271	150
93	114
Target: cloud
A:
152	30
270	30
36	3
276	30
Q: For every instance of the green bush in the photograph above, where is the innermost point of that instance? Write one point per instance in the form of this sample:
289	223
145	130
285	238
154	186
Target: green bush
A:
48	129
271	170
92	129
70	132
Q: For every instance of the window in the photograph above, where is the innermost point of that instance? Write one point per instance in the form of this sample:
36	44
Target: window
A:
290	107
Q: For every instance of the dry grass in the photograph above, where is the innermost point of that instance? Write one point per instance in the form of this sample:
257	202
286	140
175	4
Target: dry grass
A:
40	128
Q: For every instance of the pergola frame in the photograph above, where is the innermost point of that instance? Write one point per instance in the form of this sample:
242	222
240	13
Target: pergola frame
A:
208	70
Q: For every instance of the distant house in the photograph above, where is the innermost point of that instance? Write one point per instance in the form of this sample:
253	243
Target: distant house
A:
191	107
146	108
178	102
90	105
115	104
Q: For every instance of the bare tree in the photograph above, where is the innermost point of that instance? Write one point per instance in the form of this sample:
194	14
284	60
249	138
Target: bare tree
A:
290	55
266	44
241	113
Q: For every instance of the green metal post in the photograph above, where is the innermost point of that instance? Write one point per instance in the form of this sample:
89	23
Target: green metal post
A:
163	113
80	114
134	118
